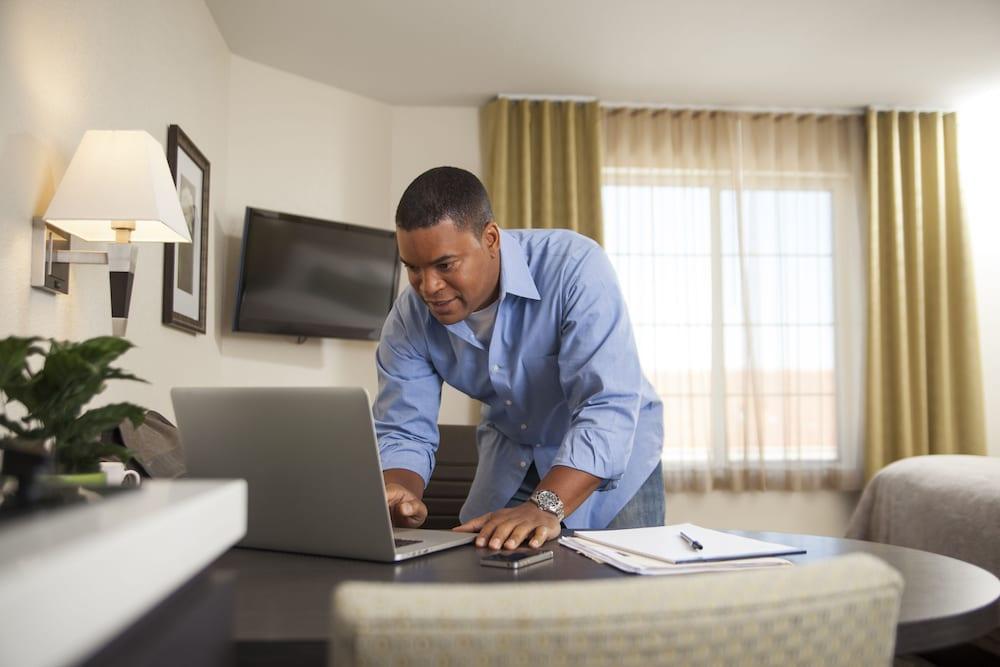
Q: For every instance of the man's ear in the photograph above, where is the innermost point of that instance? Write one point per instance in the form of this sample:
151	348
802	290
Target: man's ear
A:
491	237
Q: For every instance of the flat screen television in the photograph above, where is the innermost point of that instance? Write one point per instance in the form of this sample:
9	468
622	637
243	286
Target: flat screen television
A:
307	277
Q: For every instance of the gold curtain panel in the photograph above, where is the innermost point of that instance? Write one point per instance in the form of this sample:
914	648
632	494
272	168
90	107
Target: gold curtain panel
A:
924	380
543	165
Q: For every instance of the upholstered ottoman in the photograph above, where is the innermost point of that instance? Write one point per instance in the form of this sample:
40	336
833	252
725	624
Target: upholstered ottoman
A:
945	504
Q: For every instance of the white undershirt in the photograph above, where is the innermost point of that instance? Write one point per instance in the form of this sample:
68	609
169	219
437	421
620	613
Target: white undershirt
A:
481	322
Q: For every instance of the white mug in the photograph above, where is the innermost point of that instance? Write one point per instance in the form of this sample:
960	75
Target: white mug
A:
116	474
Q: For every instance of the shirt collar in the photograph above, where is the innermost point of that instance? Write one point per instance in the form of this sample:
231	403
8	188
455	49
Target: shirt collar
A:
515	277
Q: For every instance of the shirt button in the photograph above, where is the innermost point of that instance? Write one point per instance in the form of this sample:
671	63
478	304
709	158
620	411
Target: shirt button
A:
509	402
524	427
496	367
524	464
538	445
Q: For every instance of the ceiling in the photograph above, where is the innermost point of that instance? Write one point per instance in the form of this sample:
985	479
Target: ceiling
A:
766	53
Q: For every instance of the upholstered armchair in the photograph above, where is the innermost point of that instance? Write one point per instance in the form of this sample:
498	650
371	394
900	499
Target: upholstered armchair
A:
837	612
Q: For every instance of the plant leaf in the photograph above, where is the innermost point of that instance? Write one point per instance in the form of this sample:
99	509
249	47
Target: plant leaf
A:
23	432
118	374
14	354
12	426
102	350
72	374
92	423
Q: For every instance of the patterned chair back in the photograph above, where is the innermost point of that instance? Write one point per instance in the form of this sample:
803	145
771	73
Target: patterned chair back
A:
842	611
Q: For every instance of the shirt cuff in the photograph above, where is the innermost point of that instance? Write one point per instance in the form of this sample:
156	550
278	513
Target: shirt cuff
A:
588	451
408	457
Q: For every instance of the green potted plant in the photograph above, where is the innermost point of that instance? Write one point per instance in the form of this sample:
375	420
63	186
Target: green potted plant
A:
45	389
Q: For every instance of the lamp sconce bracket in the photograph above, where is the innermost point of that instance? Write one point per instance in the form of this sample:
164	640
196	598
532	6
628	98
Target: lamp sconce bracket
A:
51	257
47	273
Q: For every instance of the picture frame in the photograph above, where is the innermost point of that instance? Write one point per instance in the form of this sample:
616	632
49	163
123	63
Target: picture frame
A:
185	265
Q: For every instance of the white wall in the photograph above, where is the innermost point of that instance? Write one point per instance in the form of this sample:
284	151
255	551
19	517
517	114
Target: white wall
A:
301	147
813	512
426	137
66	67
979	148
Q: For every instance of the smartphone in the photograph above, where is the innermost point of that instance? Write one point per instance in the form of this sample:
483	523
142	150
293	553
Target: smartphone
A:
516	559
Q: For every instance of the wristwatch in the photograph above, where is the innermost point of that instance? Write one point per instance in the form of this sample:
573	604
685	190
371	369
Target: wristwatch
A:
549	502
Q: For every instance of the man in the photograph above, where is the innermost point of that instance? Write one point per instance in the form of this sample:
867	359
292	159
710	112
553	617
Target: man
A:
532	324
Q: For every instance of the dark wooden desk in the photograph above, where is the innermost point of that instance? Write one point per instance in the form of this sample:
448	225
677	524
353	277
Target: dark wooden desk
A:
285	598
945	601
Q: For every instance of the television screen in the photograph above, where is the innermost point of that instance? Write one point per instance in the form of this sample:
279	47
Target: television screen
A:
306	277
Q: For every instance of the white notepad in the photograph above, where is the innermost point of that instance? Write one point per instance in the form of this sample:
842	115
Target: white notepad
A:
665	543
635	564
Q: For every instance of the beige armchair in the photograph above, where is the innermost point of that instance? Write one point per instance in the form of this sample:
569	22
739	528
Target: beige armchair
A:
837	612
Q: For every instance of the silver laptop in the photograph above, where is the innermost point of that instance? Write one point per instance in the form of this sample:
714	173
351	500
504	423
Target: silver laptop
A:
310	459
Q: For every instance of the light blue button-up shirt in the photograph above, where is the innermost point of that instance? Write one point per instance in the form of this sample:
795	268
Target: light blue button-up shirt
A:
560	383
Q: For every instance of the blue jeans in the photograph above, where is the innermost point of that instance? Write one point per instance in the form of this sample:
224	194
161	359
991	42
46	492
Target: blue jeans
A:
646	508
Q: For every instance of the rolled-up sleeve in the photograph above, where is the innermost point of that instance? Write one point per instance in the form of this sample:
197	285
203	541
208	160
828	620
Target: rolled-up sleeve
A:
409	397
598	370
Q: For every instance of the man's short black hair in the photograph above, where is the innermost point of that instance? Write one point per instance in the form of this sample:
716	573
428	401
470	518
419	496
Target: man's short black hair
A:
445	192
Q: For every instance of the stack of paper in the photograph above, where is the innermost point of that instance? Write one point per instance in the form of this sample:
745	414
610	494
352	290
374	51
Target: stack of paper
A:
662	550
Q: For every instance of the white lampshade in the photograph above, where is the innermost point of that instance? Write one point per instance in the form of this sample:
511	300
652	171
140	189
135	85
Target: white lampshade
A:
118	176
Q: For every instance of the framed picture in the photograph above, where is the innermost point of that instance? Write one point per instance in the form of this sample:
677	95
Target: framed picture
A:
185	265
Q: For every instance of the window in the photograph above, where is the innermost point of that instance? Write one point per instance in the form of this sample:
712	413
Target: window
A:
735	331
738	239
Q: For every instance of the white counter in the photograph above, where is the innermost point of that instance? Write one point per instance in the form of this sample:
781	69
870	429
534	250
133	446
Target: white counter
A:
74	578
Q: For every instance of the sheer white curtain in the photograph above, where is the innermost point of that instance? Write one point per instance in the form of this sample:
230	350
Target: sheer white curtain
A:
738	242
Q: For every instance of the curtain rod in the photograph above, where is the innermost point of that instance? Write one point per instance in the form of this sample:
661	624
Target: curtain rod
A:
842	111
735	109
877	107
683	107
551	98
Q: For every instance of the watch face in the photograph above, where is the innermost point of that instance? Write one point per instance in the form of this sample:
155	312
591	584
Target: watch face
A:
549	501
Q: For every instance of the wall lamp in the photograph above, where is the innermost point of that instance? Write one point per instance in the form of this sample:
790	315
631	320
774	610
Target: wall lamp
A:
116	190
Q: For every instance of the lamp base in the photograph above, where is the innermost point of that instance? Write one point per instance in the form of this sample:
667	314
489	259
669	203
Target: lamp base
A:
118	325
121	273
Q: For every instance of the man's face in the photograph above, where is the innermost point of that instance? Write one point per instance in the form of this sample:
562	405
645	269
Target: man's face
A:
453	272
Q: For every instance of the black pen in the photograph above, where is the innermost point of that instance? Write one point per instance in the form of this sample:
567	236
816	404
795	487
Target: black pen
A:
695	544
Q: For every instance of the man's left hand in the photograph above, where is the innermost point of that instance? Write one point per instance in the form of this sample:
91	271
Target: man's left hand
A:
509	527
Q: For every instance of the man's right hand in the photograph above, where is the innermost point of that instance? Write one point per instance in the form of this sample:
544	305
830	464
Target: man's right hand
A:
405	508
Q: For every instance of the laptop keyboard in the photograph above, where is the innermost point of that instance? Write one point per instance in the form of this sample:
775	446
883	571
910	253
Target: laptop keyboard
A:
403	543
